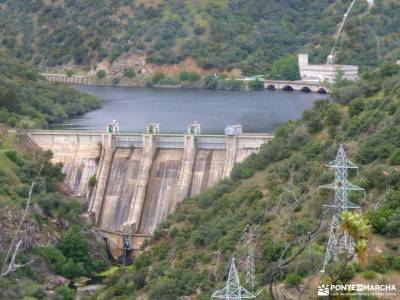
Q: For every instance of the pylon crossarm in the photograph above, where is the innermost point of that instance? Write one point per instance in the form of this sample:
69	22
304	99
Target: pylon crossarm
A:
345	164
222	294
346	185
353	187
350	205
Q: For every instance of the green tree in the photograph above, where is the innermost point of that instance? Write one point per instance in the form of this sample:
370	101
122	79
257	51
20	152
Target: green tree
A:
157	78
256	84
100	74
285	68
129	73
356	226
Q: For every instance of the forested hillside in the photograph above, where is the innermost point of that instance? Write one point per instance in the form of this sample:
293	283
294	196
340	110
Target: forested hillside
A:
27	100
276	191
245	34
55	246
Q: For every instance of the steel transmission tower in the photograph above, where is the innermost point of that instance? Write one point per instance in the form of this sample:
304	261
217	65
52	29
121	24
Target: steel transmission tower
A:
243	257
233	289
339	242
250	266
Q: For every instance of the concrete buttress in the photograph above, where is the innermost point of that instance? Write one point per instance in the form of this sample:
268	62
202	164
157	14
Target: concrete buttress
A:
149	148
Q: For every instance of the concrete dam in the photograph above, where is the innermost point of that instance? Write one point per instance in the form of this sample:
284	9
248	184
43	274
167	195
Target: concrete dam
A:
131	182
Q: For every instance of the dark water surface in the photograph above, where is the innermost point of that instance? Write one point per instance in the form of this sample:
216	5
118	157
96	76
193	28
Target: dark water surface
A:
174	109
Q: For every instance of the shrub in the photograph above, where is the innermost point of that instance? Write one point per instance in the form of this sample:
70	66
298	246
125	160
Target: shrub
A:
129	73
298	137
101	74
199	237
333	115
73	270
256	84
160	250
198	30
378	263
395	158
115	80
286	68
74	245
14	157
189	76
369	274
157	77
92	181
64	293
33	290
54	258
234	84
395	263
292	280
69	72
164	288
272	249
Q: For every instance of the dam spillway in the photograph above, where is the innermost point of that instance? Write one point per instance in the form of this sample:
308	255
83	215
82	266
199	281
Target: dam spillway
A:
141	178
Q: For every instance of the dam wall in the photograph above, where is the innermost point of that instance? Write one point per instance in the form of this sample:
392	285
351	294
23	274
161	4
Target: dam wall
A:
131	182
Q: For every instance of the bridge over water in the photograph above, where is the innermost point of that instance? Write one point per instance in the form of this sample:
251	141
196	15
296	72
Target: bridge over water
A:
298	85
142	177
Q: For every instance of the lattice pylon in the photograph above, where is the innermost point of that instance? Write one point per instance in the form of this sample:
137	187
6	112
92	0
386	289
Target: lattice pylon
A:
339	242
250	266
233	289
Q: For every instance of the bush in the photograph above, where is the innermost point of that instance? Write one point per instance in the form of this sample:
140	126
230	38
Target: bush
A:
115	80
234	84
157	77
199	237
369	274
164	288
160	250
54	258
14	157
286	68
292	280
92	181
129	73
198	30
378	263
69	72
101	74
189	76
33	290
272	249
395	263
256	85
64	293
299	137
395	158
386	220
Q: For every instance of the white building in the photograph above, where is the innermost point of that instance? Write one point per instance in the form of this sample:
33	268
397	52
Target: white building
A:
326	72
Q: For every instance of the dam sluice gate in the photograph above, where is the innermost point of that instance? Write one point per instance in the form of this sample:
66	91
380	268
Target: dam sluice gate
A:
131	182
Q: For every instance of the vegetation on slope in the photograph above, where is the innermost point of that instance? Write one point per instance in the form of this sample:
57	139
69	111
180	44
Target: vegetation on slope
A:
28	101
276	190
247	34
54	239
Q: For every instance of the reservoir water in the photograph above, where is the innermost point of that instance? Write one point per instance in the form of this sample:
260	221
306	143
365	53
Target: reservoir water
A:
174	109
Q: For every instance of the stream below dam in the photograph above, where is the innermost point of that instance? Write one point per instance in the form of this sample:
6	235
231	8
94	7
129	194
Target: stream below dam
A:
175	108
